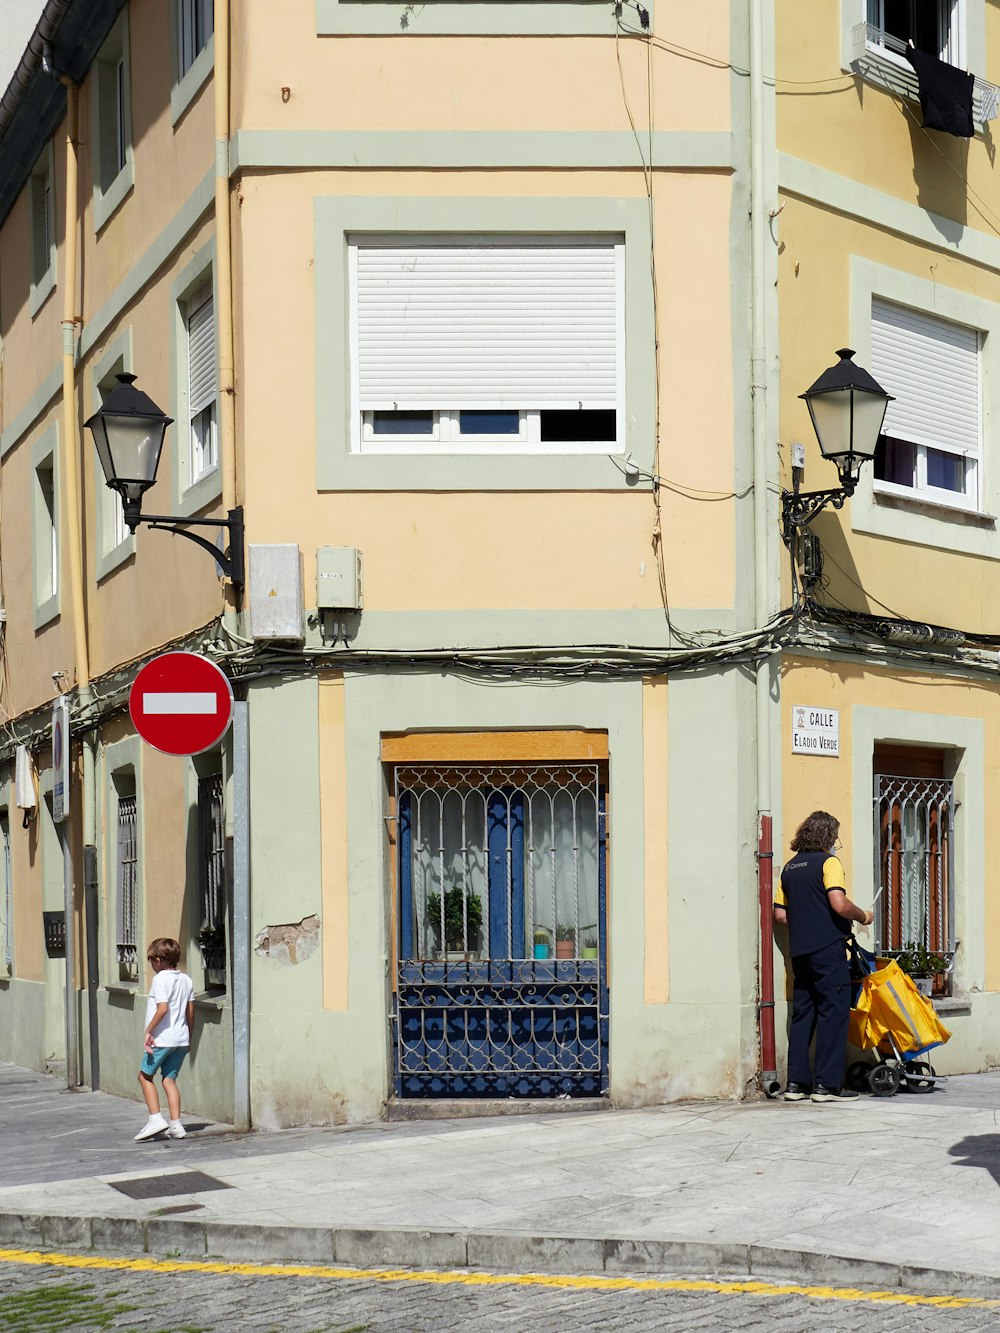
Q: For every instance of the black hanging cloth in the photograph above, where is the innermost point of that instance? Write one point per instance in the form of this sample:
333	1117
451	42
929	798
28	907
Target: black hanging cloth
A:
945	94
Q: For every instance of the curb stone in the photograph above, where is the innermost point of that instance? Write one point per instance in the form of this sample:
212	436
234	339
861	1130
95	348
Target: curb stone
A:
375	1247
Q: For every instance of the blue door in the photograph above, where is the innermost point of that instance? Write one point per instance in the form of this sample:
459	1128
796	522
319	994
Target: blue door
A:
501	985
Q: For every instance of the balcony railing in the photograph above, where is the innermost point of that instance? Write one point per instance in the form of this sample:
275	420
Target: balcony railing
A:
879	57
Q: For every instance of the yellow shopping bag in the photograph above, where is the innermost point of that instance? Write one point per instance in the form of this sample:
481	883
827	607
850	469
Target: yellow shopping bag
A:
890	1005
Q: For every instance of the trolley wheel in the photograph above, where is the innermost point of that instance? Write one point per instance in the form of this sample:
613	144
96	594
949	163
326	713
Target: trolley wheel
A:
884	1080
856	1077
925	1076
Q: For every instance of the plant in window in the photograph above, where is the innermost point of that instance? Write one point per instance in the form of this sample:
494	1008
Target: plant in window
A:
919	961
212	942
565	942
542	942
463	919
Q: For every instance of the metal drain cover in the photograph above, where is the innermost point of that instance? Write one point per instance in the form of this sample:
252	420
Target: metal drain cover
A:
155	1187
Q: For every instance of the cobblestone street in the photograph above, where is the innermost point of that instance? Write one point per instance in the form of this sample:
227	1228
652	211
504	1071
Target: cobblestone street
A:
37	1299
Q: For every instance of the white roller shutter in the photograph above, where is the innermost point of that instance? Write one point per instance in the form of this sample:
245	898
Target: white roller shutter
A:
931	366
518	325
201	356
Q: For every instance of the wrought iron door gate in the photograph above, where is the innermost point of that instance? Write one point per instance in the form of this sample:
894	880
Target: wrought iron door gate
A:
501	978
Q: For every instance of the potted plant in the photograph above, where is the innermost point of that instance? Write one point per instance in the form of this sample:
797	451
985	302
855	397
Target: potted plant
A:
542	942
589	949
927	967
463	920
212	943
565	942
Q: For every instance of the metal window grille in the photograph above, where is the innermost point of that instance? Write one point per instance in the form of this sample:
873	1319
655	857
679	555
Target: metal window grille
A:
128	889
7	924
914	871
501	984
212	870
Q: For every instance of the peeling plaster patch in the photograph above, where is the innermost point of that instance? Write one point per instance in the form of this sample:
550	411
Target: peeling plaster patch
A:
289	944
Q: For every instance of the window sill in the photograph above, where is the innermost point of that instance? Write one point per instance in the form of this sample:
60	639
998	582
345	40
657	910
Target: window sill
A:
211	1000
115	558
47	611
953	1004
122	988
41	291
918	504
107	202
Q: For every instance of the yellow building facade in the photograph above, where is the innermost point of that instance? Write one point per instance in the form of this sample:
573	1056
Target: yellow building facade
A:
490	319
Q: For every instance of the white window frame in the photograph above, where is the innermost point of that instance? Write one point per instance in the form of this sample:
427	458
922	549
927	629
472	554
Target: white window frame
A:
446	436
203	453
951	27
113	543
912	517
111	114
189	13
43	229
46	544
921	489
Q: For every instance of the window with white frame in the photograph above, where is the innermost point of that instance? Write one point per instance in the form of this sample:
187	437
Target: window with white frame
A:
43	217
931	446
195	24
6	897
112	529
46	532
112	123
466	345
202	381
127	877
933	26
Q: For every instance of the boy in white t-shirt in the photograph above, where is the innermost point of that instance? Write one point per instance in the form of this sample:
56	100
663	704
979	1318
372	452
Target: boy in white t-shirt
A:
167	1039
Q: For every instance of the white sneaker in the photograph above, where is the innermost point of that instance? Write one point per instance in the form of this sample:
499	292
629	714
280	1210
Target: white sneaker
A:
175	1130
153	1126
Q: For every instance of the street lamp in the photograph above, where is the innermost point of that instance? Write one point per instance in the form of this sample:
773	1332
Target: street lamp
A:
847	407
128	430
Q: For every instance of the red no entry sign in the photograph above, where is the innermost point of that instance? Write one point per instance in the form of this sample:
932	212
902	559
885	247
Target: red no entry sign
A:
181	703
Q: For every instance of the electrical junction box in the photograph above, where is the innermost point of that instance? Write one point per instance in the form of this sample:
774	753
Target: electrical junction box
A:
338	579
275	582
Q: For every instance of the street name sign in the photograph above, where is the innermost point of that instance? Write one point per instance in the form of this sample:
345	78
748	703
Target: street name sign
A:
181	703
816	731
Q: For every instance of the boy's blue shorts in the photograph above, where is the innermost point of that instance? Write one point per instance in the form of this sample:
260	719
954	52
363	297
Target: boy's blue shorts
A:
166	1059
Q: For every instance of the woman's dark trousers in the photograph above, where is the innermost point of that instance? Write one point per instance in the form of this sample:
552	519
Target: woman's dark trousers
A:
822	1005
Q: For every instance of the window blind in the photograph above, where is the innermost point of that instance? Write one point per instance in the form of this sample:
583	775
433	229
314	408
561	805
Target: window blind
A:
525	325
931	366
201	357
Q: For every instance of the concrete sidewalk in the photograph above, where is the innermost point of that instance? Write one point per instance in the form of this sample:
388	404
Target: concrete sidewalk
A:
901	1191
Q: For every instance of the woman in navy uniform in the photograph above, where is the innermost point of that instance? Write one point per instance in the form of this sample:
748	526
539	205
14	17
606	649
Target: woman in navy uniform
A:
813	902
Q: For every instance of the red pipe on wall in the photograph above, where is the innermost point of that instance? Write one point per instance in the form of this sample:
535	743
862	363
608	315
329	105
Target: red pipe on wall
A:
765	1007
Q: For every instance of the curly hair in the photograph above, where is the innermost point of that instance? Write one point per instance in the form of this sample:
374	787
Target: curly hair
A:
816	833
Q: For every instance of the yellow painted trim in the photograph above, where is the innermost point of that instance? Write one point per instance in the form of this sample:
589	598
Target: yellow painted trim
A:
333	842
656	975
496	747
747	1287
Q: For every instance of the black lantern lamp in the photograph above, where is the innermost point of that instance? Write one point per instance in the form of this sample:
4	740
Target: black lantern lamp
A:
847	407
128	430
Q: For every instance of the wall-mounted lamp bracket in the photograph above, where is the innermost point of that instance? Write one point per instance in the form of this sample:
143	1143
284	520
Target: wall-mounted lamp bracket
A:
232	565
800	507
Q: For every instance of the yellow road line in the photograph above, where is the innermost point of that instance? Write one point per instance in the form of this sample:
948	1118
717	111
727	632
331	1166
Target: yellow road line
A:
746	1287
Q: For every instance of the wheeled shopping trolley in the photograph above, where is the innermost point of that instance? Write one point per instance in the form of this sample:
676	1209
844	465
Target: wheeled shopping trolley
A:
898	1025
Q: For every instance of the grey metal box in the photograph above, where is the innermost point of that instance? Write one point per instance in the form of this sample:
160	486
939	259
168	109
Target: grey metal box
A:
276	610
338	579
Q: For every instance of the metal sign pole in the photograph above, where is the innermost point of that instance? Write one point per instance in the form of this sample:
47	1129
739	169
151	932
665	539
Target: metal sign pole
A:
241	916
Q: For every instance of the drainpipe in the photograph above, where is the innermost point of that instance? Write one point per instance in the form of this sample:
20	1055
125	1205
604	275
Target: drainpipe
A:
240	942
764	521
224	259
74	542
